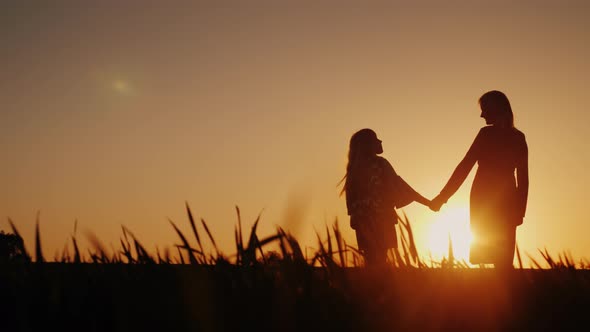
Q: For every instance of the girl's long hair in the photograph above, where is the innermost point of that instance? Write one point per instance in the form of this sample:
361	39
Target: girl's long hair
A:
359	149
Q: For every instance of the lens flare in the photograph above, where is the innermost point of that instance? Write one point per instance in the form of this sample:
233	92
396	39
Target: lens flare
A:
121	87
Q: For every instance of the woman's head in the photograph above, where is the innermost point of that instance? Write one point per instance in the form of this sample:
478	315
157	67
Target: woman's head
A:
496	109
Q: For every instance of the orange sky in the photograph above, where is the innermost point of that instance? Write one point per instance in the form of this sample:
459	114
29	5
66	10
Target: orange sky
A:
117	114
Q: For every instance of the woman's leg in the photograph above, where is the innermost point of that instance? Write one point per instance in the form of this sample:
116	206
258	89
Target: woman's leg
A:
506	242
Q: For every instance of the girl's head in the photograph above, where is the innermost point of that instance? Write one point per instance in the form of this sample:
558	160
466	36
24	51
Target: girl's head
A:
364	143
496	109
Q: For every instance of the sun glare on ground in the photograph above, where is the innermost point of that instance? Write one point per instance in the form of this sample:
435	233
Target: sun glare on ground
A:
451	223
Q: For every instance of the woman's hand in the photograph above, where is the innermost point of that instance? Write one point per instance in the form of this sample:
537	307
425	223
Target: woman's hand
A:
436	203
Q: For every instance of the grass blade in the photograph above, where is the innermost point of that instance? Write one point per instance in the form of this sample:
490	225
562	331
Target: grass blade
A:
210	237
518	257
194	227
38	250
191	256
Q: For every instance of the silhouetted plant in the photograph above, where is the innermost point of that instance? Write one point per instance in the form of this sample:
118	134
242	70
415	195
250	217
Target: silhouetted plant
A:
12	248
333	253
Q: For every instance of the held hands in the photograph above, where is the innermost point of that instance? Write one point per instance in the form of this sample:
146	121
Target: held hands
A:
436	203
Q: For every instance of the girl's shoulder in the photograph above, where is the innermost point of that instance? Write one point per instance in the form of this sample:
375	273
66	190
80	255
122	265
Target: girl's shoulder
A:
381	161
383	164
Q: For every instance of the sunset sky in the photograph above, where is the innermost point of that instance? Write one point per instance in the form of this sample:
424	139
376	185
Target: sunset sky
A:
116	113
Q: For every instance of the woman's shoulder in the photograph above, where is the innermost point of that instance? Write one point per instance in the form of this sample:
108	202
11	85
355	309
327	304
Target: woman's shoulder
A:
486	129
518	133
520	137
500	130
485	133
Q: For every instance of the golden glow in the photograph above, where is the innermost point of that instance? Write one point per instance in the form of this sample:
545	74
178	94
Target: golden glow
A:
451	222
242	105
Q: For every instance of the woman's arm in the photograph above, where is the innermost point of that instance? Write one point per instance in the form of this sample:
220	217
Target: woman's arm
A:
459	175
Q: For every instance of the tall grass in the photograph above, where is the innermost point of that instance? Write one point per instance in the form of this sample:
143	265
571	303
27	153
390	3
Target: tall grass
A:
332	252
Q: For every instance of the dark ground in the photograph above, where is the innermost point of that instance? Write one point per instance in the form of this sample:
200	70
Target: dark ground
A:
127	297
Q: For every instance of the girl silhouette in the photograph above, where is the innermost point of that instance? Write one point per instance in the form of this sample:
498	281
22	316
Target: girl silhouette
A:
499	192
373	191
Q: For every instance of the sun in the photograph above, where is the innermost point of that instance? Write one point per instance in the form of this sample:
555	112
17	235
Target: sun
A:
450	224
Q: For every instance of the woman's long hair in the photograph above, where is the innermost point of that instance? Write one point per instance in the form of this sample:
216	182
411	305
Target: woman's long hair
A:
358	151
497	103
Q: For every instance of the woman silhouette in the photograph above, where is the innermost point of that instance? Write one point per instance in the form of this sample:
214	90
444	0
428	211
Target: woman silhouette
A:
373	191
500	188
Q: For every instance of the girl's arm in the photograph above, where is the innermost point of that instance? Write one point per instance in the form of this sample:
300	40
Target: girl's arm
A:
399	191
407	194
